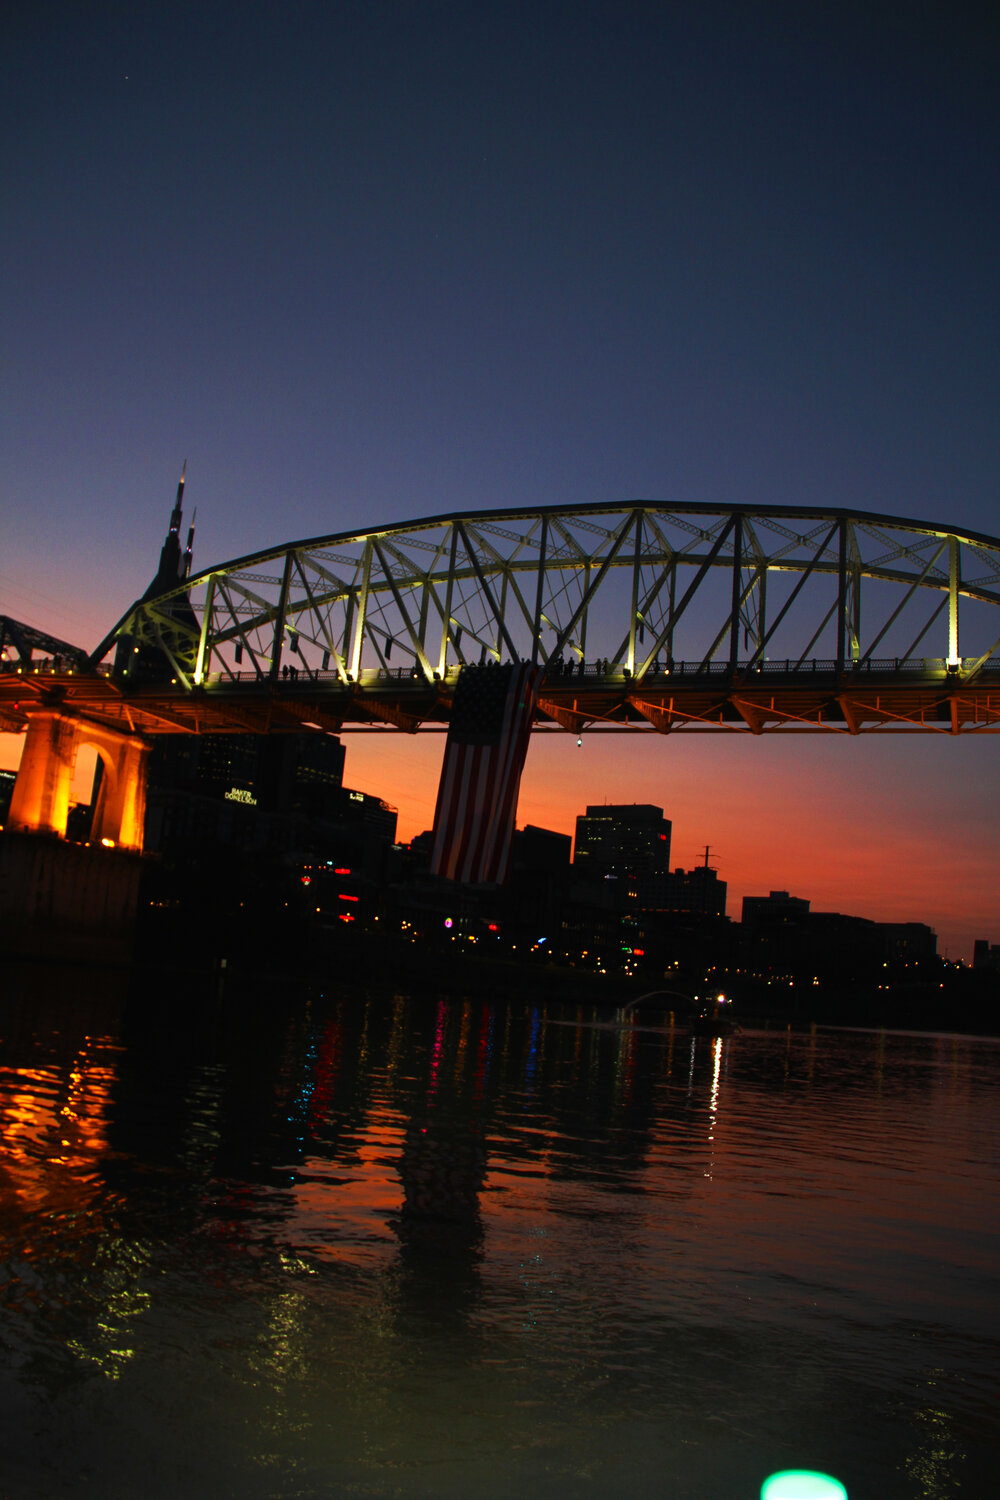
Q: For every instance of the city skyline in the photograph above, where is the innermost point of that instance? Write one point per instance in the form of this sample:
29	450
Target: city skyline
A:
363	263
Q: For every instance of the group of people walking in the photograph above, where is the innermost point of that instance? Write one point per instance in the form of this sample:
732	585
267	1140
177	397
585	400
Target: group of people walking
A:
601	667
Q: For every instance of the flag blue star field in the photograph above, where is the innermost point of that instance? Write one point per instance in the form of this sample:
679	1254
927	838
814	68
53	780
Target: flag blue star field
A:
483	759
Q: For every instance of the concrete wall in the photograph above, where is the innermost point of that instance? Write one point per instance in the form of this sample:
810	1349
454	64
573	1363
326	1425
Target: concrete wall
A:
60	900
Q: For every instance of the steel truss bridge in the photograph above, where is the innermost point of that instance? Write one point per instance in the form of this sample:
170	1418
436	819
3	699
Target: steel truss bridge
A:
645	616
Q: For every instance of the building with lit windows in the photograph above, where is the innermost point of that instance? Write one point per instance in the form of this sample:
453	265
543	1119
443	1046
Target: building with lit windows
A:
622	841
256	791
276	773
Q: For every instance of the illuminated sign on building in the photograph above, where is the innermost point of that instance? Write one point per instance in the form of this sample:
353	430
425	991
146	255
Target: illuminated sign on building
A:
240	794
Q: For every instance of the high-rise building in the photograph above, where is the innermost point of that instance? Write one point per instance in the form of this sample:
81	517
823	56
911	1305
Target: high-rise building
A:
301	773
207	765
540	850
986	956
277	773
623	840
698	892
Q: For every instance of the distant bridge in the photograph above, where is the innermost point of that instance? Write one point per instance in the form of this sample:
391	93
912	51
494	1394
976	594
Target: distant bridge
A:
644	617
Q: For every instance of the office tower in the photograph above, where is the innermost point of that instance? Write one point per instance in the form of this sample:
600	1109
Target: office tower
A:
622	839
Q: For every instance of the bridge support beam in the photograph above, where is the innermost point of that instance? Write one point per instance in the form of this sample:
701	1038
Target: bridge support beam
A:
40	802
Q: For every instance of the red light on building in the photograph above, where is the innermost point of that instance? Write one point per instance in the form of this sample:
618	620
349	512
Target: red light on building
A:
343	897
347	916
307	880
493	927
342	872
639	952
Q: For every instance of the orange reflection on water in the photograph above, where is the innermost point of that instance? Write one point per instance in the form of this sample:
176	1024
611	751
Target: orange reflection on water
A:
54	1132
342	1211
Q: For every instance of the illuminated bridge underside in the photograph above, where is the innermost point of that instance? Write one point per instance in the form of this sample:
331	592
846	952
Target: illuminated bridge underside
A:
880	700
645	616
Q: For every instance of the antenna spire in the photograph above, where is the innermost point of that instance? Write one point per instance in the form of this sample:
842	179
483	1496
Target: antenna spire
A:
175	519
190	543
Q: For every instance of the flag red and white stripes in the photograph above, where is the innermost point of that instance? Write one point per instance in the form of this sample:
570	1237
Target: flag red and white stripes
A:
483	759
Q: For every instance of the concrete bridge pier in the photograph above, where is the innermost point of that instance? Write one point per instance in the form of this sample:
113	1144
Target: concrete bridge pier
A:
40	803
120	813
60	900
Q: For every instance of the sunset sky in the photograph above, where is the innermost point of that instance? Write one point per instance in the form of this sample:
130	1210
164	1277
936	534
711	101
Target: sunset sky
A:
367	260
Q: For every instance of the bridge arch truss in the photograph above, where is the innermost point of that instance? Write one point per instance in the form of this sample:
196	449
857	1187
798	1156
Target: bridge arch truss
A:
641	614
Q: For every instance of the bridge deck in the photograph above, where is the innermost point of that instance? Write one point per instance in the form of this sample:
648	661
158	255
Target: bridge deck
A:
880	696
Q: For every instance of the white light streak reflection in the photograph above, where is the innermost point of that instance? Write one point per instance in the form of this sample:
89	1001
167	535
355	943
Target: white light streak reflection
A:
713	1101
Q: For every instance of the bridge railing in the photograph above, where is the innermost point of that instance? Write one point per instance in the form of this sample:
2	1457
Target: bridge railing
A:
598	672
41	667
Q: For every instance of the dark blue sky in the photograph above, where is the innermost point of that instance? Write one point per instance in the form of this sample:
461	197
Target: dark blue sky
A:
361	262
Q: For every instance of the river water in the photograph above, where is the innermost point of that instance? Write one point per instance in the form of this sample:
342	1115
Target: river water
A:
313	1242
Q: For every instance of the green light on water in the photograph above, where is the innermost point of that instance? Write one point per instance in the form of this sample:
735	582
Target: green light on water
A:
802	1484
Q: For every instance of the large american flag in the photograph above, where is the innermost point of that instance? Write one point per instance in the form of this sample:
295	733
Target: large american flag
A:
483	759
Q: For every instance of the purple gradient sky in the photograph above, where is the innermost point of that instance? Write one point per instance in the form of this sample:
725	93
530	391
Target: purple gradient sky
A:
361	262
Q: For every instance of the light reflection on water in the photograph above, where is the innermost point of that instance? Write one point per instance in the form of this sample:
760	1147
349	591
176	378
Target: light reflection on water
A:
345	1245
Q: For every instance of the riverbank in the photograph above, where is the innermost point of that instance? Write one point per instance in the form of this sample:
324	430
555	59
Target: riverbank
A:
172	965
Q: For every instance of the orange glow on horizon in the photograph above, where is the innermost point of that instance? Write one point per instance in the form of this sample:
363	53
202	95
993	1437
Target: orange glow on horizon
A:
846	822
